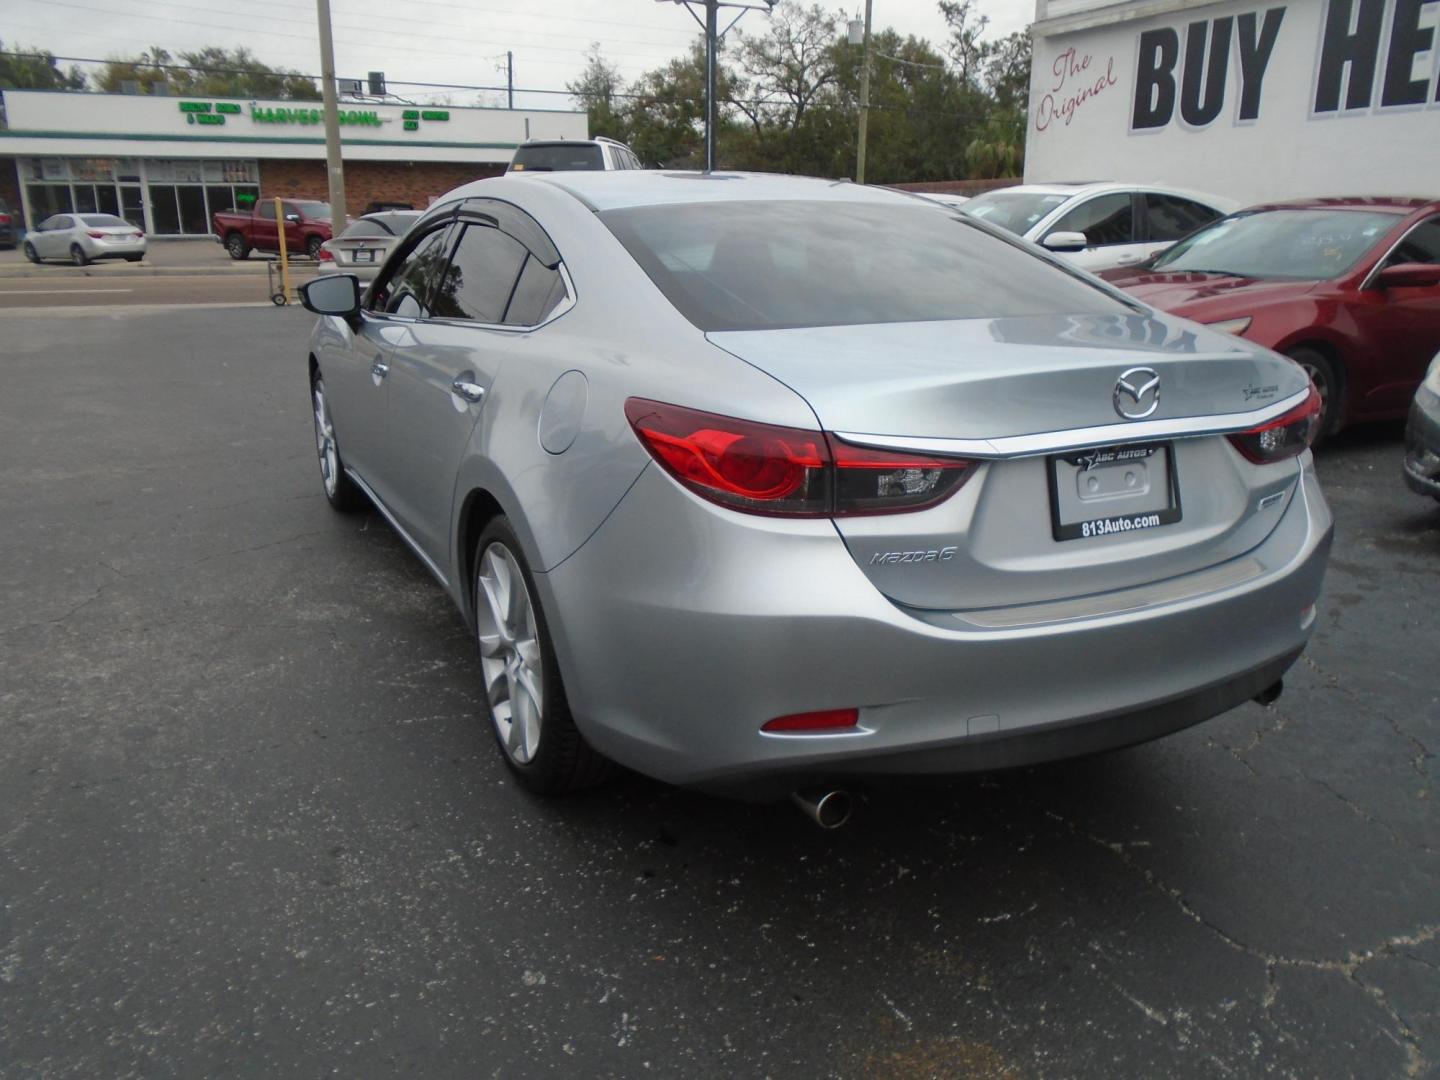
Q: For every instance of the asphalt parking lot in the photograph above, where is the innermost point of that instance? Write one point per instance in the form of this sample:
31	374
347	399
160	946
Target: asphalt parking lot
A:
253	825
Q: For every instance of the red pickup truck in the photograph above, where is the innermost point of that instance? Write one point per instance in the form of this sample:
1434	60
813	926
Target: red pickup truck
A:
307	226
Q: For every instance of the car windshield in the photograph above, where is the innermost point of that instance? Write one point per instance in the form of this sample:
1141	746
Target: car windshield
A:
769	265
315	211
1015	211
1283	245
103	221
558	157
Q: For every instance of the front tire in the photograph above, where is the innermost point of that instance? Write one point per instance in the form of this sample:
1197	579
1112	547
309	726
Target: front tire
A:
78	256
313	246
236	246
529	713
30	253
342	492
1327	381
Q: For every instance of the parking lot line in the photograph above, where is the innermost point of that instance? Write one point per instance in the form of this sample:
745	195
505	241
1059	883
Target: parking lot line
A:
43	292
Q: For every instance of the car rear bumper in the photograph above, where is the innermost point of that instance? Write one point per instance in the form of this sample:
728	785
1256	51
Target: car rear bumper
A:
681	628
1422	444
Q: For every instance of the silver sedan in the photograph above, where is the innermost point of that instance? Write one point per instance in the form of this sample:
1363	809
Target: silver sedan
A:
84	238
761	484
361	249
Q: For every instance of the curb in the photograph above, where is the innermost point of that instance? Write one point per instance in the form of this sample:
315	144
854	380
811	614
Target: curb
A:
70	273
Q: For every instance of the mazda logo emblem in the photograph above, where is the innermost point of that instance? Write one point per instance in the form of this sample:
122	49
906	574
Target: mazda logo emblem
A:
1137	393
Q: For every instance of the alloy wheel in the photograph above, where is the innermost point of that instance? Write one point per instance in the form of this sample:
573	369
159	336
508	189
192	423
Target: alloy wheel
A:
325	439
77	255
510	654
1321	379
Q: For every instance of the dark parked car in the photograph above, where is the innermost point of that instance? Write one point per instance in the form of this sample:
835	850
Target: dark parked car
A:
1422	436
7	225
1349	288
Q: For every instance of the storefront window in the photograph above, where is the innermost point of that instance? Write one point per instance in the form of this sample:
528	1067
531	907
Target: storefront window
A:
47	199
183	195
92	169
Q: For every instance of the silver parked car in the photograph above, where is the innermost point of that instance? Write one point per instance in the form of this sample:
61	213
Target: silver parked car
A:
763	483
84	238
366	241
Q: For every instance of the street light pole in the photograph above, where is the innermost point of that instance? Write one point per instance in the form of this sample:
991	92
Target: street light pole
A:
864	100
712	12
334	167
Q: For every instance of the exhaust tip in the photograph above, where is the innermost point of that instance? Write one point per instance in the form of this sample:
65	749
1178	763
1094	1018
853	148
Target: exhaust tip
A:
830	808
1271	693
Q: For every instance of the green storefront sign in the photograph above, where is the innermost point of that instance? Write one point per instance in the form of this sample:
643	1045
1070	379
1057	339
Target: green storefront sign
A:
208	112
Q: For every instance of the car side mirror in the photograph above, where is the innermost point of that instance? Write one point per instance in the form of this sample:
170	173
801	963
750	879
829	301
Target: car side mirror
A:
332	294
1065	242
292	217
1409	276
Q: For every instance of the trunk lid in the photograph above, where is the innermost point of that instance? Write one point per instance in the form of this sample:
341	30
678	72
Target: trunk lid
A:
995	541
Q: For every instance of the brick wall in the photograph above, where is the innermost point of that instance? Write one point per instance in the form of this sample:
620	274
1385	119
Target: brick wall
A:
10	190
961	187
417	183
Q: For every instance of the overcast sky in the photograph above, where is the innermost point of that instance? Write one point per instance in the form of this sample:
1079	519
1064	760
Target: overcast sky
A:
445	41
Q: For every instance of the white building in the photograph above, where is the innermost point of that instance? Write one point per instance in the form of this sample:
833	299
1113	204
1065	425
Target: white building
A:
1255	101
168	164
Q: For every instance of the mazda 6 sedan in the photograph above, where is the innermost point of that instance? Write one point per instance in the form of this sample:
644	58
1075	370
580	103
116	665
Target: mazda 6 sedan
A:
761	484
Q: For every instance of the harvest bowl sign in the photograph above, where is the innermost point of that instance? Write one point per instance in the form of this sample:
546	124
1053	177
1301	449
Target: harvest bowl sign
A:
215	112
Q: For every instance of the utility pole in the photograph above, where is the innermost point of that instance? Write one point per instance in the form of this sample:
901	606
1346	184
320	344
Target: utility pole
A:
713	34
510	78
712	12
334	167
864	100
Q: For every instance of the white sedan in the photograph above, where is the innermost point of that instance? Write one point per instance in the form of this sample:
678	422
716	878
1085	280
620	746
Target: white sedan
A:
83	238
1099	226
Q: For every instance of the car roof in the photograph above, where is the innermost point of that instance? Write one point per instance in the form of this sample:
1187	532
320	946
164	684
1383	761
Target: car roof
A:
1078	188
630	188
1401	204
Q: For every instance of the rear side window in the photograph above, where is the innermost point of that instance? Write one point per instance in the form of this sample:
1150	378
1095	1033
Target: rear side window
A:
536	294
1172	217
559	157
266	210
481	276
1105	220
754	265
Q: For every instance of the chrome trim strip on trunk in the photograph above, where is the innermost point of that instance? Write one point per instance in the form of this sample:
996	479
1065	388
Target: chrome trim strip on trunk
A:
1047	442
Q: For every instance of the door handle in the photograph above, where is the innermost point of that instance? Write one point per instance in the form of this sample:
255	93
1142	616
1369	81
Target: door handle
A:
470	391
1126	260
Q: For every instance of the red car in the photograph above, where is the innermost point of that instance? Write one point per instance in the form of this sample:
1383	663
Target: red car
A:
1348	287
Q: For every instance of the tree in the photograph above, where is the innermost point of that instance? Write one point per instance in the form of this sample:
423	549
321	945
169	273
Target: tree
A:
665	115
598	91
213	71
787	69
967	27
24	68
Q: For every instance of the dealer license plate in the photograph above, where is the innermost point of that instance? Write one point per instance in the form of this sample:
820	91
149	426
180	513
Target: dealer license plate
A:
364	256
1113	489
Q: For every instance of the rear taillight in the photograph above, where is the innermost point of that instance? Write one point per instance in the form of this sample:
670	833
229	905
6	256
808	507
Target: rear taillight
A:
1283	437
4	219
326	255
765	469
96	235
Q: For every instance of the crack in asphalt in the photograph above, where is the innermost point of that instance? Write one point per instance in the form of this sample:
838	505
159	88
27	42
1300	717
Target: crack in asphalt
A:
1348	967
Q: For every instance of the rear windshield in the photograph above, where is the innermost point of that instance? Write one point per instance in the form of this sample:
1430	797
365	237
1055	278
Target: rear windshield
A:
103	221
558	157
769	265
381	225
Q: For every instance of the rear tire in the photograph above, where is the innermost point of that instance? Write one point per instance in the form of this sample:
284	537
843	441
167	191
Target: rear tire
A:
313	246
30	253
343	493
529	714
236	246
78	256
1328	382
